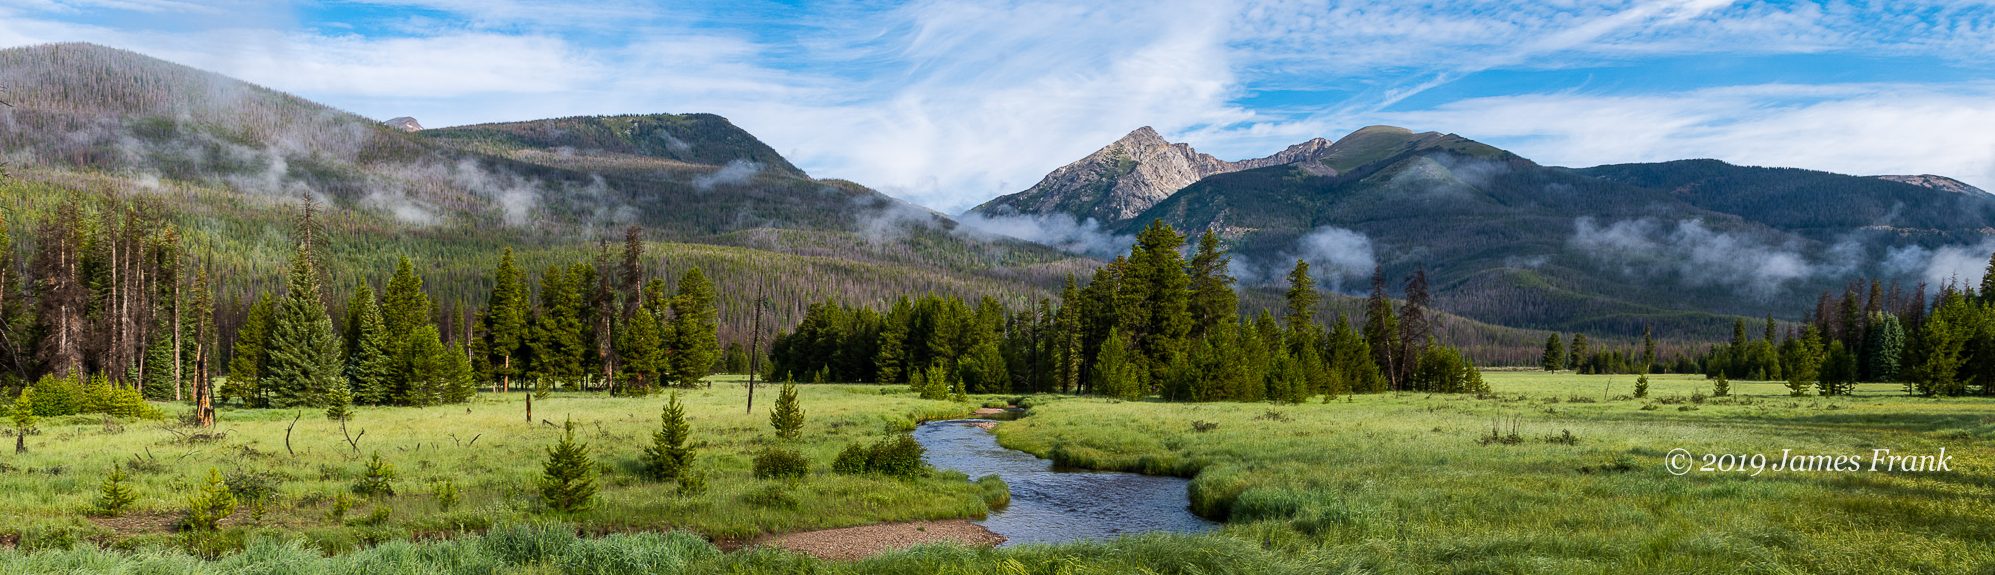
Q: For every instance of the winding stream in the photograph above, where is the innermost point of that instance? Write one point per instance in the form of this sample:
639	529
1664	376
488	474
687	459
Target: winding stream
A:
1049	506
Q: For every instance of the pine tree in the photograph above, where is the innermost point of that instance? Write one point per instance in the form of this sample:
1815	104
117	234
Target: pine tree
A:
1648	350
301	364
1555	354
1301	298
788	415
568	480
426	372
459	378
1213	301
1067	338
1382	330
1884	347
115	495
558	346
1114	376
1158	291
246	361
1579	353
404	306
643	352
1721	387
1642	386
506	320
369	367
1803	360
668	456
1839	366
695	327
206	511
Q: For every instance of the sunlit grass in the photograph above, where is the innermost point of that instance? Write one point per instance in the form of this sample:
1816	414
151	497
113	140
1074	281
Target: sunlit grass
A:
492	455
1413	482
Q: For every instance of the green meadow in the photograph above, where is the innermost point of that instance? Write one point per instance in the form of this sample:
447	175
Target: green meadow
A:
1551	473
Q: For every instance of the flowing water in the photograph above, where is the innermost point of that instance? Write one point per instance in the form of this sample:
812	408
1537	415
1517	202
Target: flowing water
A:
1051	506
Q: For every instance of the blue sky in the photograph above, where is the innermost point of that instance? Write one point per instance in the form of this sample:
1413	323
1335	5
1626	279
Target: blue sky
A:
950	103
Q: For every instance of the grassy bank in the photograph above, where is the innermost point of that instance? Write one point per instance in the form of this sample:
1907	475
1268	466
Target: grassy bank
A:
1555	473
488	453
1562	473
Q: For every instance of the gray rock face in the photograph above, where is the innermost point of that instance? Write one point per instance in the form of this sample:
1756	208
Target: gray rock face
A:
1128	176
1941	183
405	123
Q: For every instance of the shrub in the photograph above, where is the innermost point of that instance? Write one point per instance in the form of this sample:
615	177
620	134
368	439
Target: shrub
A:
115	496
692	482
772	496
781	463
206	511
446	495
897	456
341	503
379	480
252	488
569	480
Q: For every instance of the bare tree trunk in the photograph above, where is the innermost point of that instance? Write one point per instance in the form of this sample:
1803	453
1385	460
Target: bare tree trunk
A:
176	340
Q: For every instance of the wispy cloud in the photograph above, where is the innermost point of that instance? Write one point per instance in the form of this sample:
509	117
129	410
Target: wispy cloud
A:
949	102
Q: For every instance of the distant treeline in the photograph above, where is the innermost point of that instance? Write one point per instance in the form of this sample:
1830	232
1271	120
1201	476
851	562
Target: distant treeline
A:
1858	336
1148	323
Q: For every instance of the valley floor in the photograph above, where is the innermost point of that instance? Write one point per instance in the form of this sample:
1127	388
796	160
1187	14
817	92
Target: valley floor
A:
1553	473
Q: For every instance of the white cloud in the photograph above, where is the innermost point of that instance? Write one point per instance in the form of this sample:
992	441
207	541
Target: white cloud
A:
948	103
1857	129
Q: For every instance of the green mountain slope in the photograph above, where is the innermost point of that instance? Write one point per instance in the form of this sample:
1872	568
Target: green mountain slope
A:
1684	246
228	162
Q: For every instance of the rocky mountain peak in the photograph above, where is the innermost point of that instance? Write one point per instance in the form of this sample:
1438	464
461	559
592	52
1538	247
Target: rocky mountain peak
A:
405	123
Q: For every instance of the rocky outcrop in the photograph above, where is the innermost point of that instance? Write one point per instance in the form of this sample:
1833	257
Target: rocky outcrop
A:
1941	183
1122	179
405	123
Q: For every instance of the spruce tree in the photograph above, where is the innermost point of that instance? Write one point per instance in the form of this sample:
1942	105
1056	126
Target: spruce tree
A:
1067	338
246	362
1382	330
215	502
1213	301
369	367
643	352
1555	354
568	480
695	325
404	306
1157	291
302	363
426	369
1884	347
1302	298
668	456
505	320
558	345
1721	387
1579	353
459	378
788	415
1113	375
115	495
1803	360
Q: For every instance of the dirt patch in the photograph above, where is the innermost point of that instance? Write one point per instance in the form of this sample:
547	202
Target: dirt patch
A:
852	543
990	411
10	541
138	523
